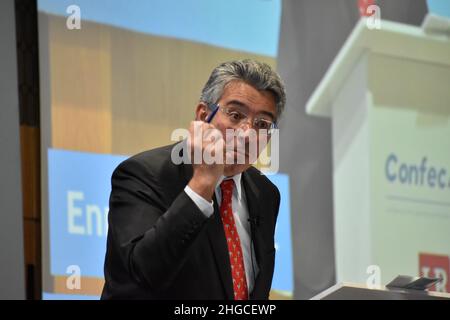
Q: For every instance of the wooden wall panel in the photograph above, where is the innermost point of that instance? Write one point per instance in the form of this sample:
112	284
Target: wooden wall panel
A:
121	92
31	190
29	144
80	87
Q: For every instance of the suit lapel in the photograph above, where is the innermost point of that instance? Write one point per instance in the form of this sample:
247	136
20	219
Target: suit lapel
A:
255	213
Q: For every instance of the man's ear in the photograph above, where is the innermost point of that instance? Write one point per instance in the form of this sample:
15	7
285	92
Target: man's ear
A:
201	112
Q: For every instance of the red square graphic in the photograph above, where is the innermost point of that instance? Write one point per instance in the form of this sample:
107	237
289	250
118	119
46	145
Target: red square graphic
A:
435	265
363	5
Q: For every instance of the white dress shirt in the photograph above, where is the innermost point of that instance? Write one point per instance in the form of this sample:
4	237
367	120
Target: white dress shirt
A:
240	214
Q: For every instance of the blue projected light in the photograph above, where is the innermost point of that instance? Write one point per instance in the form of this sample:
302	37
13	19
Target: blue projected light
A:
283	275
250	26
79	187
62	296
439	7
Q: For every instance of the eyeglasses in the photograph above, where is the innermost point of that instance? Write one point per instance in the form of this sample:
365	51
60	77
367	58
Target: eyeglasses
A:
238	117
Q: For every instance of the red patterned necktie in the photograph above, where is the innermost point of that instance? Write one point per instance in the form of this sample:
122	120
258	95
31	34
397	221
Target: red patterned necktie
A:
233	241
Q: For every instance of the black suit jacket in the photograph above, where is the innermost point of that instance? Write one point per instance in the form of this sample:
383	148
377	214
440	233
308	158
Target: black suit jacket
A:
161	246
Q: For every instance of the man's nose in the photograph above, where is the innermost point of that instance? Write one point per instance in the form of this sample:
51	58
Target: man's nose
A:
245	126
246	132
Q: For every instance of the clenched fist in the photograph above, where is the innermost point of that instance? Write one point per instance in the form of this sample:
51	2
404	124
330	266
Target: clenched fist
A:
207	155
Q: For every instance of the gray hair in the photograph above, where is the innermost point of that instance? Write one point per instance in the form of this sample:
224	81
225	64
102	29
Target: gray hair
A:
257	74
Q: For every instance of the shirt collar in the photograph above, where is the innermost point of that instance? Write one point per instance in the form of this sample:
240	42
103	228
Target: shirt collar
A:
237	183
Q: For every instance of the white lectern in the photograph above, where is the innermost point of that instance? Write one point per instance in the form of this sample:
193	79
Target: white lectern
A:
388	96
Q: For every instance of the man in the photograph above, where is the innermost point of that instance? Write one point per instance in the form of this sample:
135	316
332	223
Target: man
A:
202	230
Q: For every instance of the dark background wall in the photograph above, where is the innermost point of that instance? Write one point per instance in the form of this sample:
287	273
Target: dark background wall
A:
12	280
20	228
